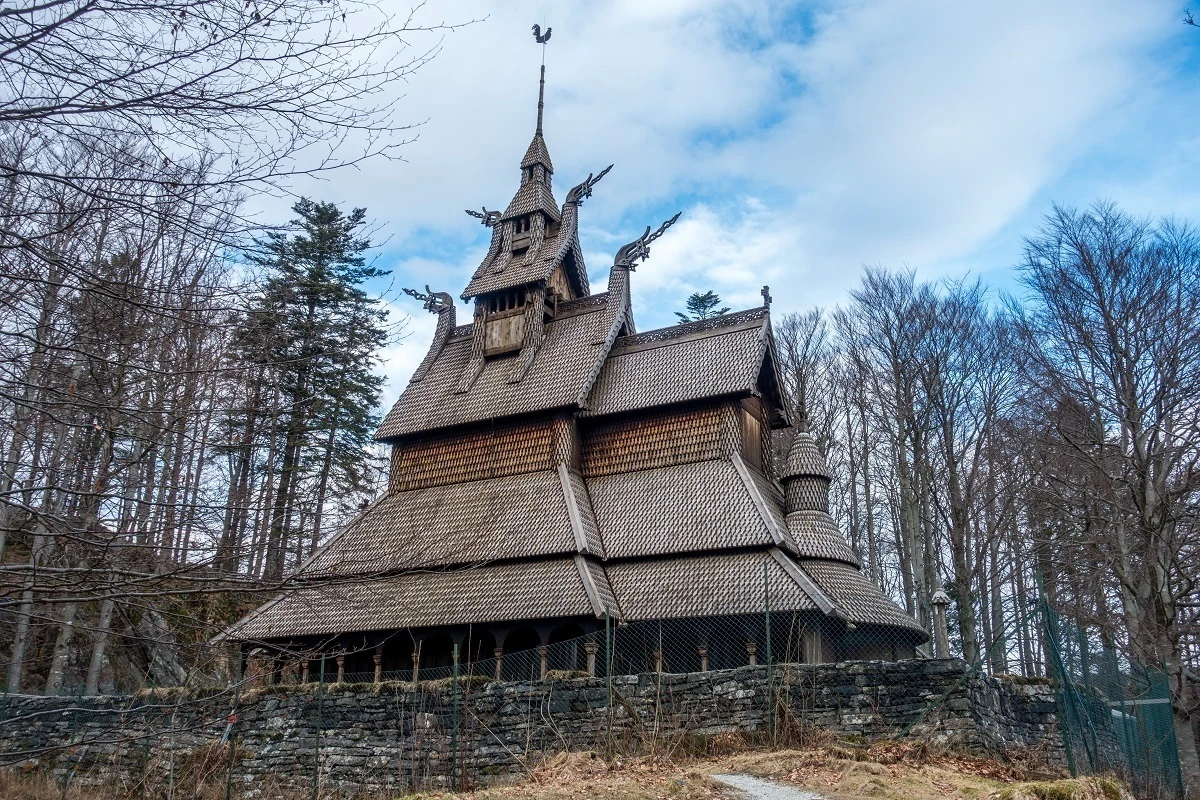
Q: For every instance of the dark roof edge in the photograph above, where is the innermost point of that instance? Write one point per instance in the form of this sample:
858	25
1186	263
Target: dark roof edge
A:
807	584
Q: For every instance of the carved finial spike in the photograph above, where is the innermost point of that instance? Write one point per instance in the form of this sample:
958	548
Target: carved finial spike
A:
766	294
541	39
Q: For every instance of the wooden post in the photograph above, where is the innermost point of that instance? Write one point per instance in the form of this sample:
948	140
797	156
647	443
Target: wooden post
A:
941	636
499	654
416	659
341	664
304	672
544	655
590	648
268	670
378	658
752	653
703	651
658	661
813	649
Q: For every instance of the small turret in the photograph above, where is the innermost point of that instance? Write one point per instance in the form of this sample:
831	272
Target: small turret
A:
806	476
805	482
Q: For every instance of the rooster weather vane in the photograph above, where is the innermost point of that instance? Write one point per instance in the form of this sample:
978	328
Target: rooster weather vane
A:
639	249
537	34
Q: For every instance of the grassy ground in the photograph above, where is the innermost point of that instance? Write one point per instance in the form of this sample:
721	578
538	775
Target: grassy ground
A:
909	771
892	771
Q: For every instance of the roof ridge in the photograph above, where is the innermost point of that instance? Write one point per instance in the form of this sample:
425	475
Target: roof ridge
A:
714	324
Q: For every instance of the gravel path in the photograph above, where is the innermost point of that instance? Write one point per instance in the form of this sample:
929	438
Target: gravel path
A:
759	789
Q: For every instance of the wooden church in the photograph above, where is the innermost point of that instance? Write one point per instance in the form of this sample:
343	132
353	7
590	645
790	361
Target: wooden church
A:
555	470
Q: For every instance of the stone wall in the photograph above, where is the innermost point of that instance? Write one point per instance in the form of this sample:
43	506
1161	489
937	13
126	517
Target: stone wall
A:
399	736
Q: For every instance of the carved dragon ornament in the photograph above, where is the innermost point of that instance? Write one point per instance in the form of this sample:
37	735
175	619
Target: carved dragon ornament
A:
639	249
435	302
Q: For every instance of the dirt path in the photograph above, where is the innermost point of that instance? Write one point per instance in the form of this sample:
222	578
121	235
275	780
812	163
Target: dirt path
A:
759	789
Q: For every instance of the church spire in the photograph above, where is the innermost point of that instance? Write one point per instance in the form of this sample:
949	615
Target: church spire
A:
537	154
541	100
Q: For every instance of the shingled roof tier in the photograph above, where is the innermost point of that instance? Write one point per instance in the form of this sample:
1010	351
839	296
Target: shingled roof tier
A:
679	509
713	357
561	374
563	587
551	465
524	515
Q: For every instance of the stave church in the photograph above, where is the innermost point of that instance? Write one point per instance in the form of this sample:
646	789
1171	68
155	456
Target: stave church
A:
555	470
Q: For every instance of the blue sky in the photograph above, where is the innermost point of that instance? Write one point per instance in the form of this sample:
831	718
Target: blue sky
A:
800	140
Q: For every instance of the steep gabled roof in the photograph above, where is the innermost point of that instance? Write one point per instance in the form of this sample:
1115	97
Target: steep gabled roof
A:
561	371
538	263
684	508
708	358
532	196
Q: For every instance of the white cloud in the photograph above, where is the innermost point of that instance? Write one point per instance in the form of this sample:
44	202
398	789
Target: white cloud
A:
802	141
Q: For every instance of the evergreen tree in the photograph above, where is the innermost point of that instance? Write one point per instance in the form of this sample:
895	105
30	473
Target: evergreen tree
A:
702	306
317	335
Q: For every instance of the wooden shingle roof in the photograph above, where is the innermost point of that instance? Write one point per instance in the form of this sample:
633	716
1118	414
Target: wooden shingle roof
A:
679	509
547	589
561	372
710	358
516	516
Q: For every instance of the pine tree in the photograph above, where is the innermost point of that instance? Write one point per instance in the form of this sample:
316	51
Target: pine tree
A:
317	335
702	306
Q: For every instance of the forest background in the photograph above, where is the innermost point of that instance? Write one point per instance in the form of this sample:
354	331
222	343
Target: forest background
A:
187	396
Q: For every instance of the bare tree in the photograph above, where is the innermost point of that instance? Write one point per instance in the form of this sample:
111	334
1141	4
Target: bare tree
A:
1113	325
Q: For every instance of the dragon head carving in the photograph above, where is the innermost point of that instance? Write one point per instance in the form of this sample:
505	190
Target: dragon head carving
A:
488	218
435	302
583	191
639	249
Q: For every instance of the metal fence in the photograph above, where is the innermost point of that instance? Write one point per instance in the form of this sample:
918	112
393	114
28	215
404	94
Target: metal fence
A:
1116	714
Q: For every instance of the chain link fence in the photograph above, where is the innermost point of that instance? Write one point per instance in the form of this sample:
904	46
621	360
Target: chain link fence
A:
701	685
1116	714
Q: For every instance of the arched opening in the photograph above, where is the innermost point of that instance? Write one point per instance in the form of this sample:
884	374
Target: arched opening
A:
480	645
521	658
437	651
566	648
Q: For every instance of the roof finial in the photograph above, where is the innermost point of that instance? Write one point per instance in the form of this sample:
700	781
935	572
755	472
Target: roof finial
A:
766	296
540	39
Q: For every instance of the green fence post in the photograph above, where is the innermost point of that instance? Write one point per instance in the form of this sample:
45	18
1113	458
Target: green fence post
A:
770	659
454	722
230	731
316	782
608	667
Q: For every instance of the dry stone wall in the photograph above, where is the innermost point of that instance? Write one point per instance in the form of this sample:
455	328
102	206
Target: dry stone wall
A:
402	736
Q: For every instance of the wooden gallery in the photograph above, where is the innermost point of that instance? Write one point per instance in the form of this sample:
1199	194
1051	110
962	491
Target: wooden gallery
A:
555	471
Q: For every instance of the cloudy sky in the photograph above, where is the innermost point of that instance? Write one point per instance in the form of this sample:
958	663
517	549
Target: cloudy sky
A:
800	140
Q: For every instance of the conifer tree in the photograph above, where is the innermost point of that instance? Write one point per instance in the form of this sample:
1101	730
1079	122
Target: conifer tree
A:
317	335
702	306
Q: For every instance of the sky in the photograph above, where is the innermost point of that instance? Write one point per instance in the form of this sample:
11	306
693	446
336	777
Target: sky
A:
801	141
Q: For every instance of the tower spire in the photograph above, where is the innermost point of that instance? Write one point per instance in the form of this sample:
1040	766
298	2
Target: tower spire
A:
541	39
541	99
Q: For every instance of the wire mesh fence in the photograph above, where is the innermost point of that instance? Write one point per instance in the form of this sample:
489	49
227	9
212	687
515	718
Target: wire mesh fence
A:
458	711
1116	714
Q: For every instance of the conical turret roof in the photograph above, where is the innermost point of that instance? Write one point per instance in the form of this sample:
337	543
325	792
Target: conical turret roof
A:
805	459
537	154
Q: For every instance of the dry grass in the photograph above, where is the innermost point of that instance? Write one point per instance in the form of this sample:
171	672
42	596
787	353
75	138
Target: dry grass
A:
882	771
